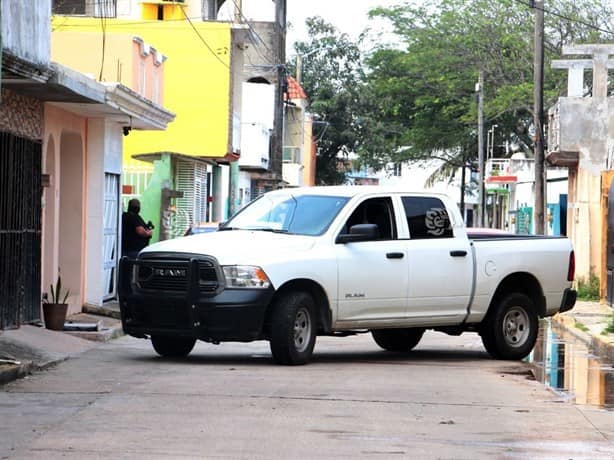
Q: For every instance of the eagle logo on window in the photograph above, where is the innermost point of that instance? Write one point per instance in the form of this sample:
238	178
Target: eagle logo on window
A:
436	221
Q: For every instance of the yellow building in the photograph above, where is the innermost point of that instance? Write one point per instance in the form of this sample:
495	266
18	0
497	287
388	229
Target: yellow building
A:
197	76
202	62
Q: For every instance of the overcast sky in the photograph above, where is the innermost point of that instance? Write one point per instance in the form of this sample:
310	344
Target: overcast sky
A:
348	16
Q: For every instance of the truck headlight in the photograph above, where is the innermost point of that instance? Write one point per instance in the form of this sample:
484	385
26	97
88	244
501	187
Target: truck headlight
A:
245	276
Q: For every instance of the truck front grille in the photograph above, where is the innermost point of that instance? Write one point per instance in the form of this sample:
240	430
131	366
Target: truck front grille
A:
172	275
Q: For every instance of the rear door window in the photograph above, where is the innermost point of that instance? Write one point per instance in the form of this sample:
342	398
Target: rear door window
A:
427	218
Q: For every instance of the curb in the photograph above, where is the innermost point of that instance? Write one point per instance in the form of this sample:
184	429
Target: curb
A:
102	311
8	372
600	345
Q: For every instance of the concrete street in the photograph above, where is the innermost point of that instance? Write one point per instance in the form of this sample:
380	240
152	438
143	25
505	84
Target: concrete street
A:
447	400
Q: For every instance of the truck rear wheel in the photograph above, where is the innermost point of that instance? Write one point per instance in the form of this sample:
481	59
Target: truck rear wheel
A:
293	329
398	340
172	347
510	329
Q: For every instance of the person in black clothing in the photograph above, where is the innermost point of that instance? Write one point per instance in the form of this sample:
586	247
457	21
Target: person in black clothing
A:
135	232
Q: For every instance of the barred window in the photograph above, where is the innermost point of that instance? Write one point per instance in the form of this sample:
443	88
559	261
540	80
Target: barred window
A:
68	7
105	8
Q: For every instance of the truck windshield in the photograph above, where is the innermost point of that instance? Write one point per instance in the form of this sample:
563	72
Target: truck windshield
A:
299	215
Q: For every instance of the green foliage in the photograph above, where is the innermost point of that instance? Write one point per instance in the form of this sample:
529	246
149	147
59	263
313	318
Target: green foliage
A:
331	75
415	100
58	294
421	96
588	289
581	326
609	329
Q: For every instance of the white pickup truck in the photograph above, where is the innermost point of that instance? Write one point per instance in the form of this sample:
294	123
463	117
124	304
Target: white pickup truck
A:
298	263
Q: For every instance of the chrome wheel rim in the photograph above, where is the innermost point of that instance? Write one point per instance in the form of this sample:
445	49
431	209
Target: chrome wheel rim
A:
516	327
302	330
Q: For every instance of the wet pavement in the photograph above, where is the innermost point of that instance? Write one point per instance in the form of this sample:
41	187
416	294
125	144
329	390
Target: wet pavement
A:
574	355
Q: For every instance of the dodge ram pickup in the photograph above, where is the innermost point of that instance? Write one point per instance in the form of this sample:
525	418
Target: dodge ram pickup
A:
300	263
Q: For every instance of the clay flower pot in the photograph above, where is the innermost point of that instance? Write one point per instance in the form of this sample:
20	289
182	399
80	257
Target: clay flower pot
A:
54	315
55	306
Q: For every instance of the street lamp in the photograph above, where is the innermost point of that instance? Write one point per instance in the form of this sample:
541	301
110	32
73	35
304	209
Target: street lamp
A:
300	57
491	141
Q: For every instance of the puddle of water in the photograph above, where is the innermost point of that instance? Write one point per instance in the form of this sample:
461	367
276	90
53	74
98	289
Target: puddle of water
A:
566	365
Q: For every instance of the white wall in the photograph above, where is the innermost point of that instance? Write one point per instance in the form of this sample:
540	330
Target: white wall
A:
293	174
104	154
245	189
257	116
26	29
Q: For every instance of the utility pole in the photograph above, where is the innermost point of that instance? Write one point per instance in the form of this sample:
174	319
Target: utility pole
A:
481	164
462	187
538	118
238	11
299	68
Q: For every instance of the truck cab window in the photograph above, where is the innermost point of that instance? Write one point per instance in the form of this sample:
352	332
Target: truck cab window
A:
376	211
427	217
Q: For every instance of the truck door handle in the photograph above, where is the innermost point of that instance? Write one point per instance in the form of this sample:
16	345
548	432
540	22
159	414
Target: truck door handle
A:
394	255
458	253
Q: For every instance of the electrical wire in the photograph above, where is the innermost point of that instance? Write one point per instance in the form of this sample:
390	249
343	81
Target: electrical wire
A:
250	26
104	37
203	40
251	39
532	5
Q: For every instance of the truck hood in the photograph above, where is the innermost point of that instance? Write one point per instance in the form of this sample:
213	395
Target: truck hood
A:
236	246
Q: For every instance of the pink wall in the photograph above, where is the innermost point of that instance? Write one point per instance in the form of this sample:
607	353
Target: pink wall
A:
147	68
64	147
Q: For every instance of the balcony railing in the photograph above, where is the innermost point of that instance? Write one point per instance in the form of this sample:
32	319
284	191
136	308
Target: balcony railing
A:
509	170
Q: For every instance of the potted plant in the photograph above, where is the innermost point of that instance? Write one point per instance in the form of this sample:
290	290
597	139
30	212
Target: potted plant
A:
55	306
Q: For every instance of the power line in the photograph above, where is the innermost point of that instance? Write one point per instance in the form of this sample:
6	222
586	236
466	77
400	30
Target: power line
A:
531	4
250	26
103	26
203	40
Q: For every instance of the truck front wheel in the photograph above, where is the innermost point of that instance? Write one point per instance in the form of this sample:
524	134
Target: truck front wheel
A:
397	340
510	329
293	328
172	347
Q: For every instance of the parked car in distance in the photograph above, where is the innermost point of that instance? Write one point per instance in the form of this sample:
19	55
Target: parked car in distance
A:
202	227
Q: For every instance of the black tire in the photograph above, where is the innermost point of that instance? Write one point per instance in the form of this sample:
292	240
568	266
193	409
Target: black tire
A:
293	329
398	340
172	347
510	329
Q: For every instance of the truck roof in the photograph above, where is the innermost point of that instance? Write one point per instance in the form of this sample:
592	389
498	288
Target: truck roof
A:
349	190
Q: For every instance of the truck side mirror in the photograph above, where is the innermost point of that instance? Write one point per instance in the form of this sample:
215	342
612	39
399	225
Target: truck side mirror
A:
359	232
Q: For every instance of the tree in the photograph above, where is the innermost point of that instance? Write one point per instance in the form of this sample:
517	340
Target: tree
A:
420	97
331	75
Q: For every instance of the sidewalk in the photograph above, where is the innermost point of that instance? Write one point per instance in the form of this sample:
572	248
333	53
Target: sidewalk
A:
587	322
32	348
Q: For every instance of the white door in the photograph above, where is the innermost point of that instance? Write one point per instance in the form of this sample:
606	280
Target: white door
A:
373	275
440	265
110	242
